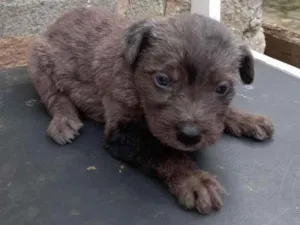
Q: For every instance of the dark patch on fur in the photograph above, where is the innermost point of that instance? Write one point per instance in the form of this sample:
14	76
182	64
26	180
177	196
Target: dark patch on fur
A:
133	143
192	73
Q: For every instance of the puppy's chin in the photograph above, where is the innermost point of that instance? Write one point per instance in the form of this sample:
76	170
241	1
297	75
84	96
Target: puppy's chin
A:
198	147
181	147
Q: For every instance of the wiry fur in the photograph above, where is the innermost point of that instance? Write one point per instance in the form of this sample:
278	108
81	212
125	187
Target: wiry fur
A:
103	66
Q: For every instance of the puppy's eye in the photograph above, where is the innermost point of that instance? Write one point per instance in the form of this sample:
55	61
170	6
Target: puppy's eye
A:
223	89
161	80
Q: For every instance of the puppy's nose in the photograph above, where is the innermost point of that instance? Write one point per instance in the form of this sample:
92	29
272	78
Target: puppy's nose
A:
188	133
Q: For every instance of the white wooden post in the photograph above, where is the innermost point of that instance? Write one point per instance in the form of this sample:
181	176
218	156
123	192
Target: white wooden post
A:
211	8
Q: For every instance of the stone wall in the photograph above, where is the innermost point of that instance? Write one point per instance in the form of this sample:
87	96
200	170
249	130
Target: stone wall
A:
244	17
21	20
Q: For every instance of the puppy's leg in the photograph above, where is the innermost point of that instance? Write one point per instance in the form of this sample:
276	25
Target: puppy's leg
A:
239	123
85	96
65	122
193	188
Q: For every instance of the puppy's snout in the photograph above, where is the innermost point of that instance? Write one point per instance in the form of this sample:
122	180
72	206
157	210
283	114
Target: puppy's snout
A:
188	133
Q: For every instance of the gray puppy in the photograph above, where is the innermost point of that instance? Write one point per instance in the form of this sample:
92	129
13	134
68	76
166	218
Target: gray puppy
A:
162	86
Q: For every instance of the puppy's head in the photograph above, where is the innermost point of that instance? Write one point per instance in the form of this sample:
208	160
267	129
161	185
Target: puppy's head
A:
184	70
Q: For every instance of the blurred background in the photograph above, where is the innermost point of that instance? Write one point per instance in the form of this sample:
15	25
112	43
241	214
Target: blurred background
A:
267	26
282	29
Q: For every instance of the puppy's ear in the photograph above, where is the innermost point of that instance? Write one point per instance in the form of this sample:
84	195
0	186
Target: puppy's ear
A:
246	67
136	37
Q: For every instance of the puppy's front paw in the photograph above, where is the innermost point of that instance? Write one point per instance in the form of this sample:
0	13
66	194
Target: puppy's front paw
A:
64	129
254	126
200	191
260	128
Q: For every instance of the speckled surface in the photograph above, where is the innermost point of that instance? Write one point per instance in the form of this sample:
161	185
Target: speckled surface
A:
145	8
21	17
21	20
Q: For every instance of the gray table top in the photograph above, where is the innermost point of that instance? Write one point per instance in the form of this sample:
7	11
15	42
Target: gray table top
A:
43	183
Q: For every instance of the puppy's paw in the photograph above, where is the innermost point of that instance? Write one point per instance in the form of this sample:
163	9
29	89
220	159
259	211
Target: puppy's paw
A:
260	128
254	126
200	191
64	129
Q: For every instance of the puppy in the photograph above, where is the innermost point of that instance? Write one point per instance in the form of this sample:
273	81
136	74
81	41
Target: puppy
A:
162	86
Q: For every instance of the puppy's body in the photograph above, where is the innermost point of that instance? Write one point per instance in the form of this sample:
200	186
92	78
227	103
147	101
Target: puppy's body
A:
78	64
175	74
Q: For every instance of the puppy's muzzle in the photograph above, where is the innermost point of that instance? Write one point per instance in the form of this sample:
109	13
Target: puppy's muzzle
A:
188	133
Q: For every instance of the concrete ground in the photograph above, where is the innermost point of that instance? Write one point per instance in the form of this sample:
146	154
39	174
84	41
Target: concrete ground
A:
21	20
